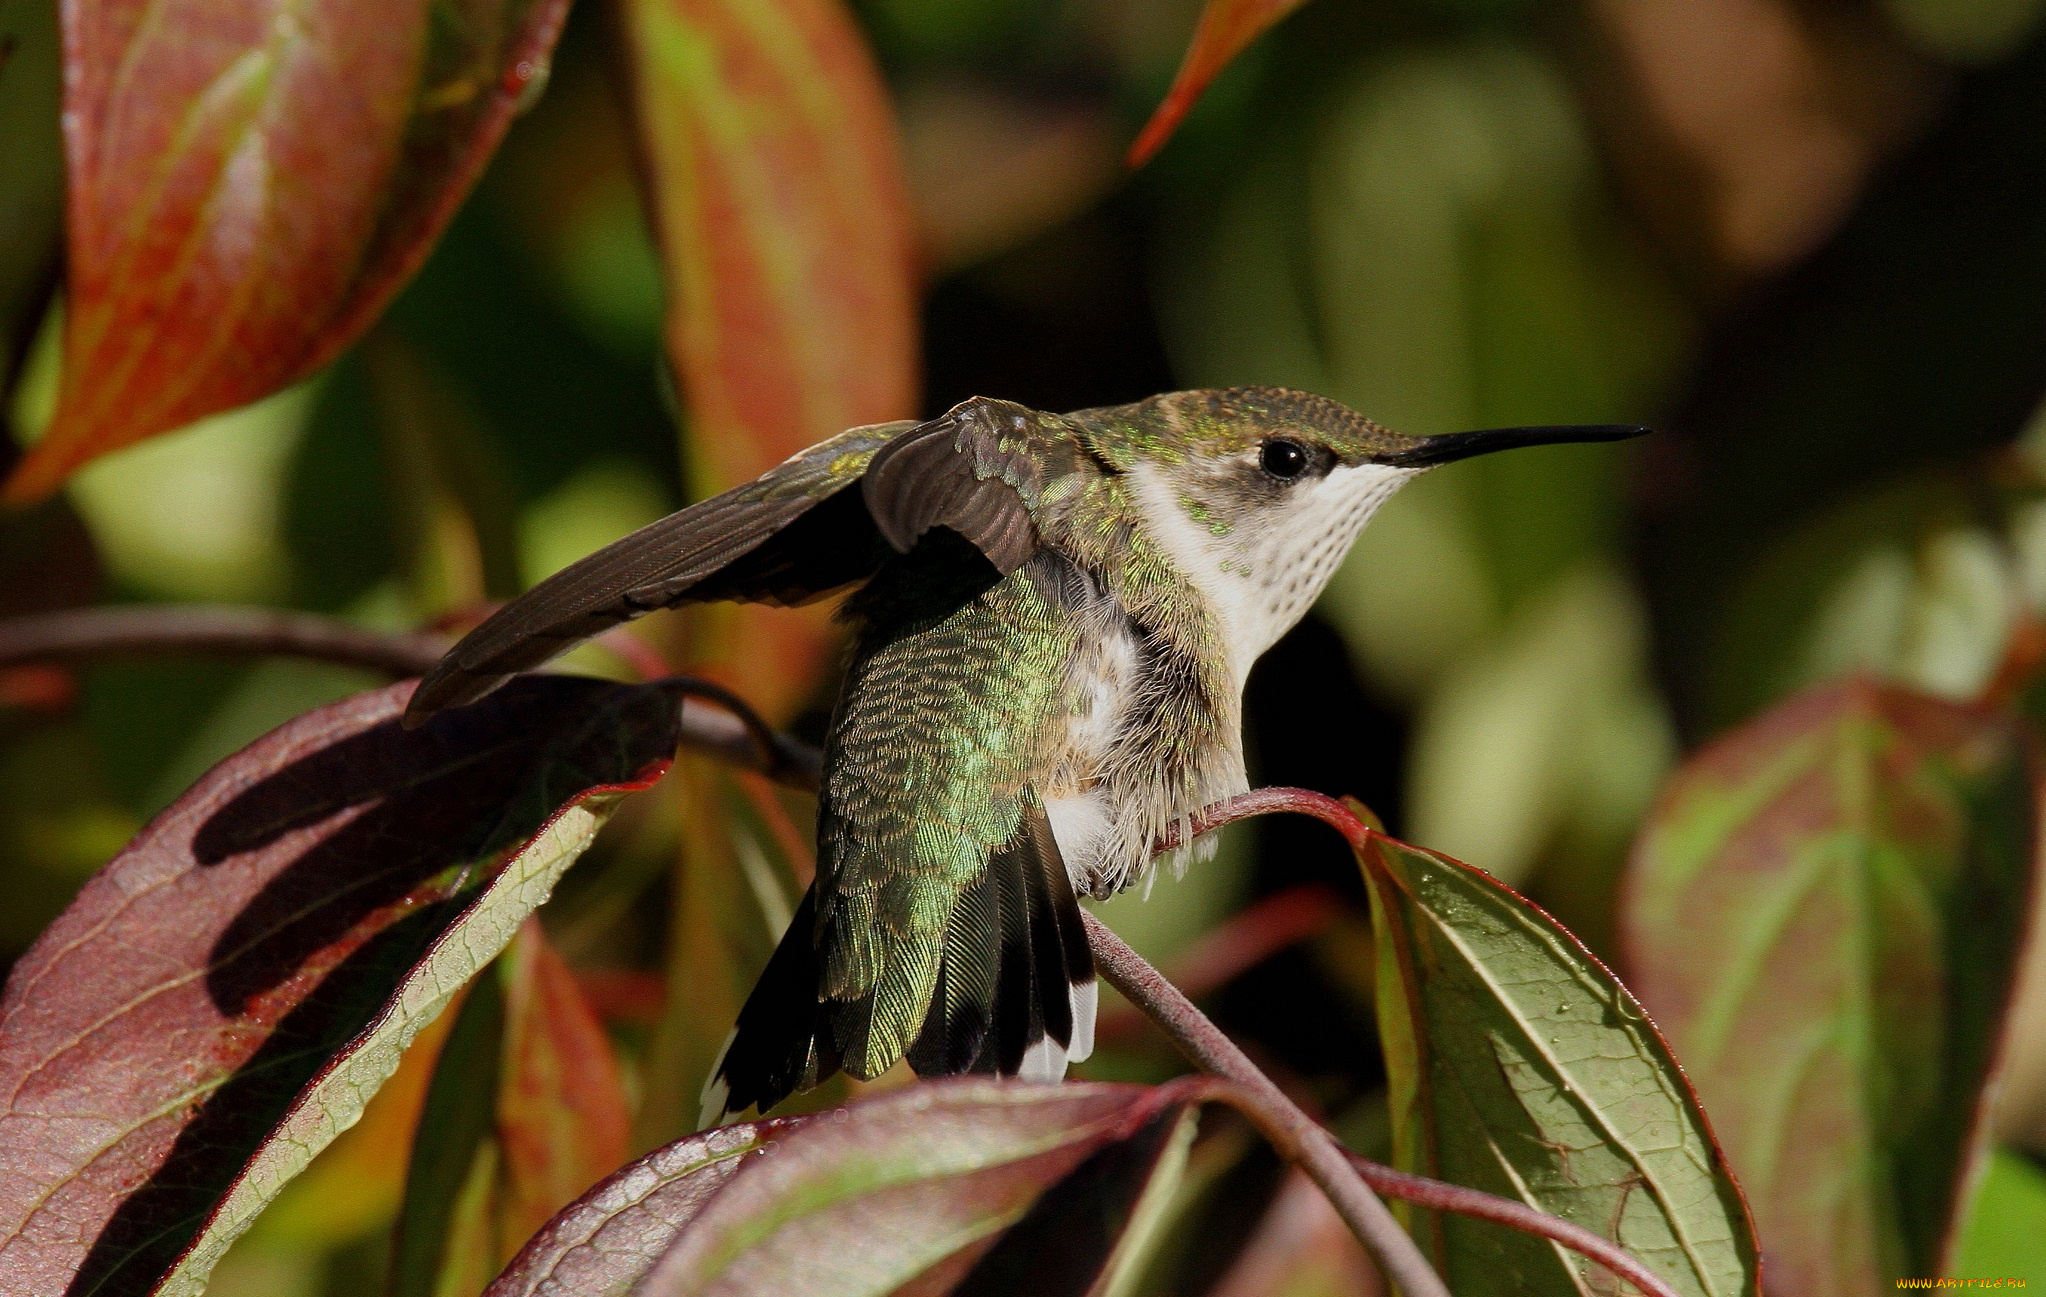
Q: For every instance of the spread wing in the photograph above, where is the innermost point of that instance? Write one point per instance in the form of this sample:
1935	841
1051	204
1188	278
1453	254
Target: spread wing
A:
794	534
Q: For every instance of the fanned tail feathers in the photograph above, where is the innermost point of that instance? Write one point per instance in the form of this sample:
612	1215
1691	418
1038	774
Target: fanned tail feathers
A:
1014	995
782	1040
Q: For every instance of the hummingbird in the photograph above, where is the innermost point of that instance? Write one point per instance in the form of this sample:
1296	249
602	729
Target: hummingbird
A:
1053	616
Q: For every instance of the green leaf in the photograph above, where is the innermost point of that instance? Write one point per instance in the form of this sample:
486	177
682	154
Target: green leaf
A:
2006	1234
1825	913
1520	1066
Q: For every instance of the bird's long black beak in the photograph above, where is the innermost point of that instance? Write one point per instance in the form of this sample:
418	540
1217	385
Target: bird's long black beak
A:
1451	446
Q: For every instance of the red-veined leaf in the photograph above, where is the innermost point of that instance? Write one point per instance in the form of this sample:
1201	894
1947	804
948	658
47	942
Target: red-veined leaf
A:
1826	912
221	1000
966	1186
250	182
1226	27
606	1241
783	220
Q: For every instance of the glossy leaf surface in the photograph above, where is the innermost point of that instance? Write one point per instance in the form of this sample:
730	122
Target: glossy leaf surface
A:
250	182
1825	914
955	1186
1226	27
1518	1065
222	999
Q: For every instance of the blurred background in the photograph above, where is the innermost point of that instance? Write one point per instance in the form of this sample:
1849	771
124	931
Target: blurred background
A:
1805	239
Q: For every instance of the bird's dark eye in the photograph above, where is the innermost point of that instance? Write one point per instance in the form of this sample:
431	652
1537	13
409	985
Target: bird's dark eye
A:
1283	459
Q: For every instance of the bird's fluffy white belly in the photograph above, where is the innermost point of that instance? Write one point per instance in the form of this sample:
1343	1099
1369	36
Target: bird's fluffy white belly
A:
1082	813
1104	826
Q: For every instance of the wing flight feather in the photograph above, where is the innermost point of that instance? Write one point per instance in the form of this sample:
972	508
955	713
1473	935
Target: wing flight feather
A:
794	534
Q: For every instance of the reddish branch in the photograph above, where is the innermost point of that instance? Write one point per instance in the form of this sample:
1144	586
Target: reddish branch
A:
108	632
1298	1137
1438	1196
730	730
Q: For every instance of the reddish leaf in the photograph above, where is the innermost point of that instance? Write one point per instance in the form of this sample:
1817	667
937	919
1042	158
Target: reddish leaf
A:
223	997
561	1109
1226	27
250	183
783	221
783	218
559	1123
963	1181
608	1239
1825	913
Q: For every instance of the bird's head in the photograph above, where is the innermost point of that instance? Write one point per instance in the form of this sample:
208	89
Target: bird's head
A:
1257	493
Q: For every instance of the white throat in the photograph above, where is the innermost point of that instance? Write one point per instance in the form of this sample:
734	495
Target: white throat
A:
1263	574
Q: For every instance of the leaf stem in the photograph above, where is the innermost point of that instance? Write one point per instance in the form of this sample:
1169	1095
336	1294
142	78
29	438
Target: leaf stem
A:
1298	1137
